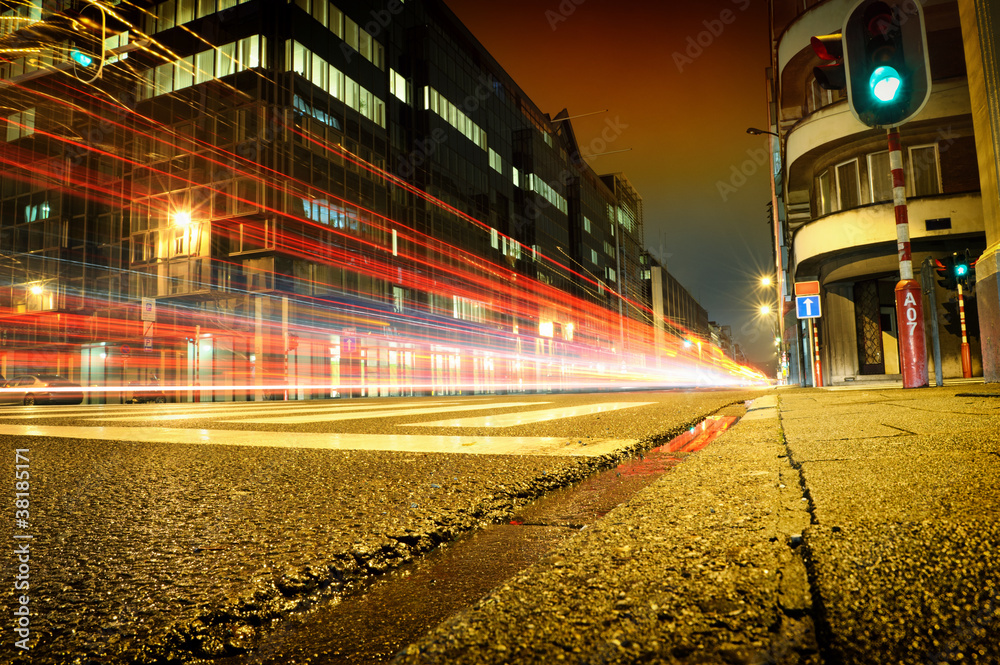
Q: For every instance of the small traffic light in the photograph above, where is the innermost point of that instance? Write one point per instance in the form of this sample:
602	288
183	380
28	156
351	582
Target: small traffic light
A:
86	53
885	57
945	269
954	270
81	58
830	48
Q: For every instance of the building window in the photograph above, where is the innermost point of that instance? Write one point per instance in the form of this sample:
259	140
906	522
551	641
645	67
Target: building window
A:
848	185
925	170
20	125
435	101
586	224
593	256
879	176
824	194
819	97
399	87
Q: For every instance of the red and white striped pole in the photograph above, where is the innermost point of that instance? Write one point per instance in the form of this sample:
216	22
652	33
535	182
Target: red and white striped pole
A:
817	364
966	351
909	303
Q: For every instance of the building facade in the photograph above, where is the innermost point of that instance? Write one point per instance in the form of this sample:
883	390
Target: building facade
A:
834	208
259	198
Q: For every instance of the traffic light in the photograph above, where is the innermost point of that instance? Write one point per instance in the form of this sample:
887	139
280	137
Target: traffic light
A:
885	57
90	29
954	270
830	48
81	58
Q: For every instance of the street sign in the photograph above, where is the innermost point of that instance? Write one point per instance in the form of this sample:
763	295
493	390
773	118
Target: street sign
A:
807	288
147	343
125	349
148	309
807	307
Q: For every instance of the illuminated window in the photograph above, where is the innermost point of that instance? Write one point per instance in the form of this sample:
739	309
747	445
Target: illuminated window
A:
434	101
20	125
593	256
539	186
113	42
327	77
399	87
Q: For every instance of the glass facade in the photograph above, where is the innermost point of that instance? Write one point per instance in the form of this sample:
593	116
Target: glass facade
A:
261	171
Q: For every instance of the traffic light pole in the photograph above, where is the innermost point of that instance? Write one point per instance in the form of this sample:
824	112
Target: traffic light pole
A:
909	301
817	367
966	351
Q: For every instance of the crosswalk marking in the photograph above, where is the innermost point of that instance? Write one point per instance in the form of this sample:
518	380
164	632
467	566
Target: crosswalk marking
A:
317	410
474	445
143	410
330	417
527	417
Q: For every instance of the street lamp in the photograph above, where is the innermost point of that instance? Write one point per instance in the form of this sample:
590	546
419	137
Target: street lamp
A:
765	280
753	131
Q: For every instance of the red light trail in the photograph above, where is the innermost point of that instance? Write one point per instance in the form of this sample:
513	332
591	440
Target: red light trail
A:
482	327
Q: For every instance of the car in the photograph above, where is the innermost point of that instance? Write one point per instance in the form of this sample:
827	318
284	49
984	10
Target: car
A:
29	389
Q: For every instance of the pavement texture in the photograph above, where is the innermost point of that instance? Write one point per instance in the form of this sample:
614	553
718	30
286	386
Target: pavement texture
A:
167	553
826	527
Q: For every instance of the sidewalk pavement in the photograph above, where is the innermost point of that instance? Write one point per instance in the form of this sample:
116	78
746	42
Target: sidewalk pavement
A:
826	527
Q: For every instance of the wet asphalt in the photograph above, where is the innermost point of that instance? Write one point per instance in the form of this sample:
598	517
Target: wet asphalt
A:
825	527
856	527
176	553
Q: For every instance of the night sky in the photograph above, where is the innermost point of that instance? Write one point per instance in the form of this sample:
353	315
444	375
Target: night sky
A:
682	81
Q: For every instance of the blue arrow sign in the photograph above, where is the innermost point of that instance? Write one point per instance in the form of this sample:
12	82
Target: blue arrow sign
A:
807	307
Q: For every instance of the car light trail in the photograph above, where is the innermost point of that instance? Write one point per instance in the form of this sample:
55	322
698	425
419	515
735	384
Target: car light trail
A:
319	299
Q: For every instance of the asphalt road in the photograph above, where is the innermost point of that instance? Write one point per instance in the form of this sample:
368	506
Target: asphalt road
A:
169	533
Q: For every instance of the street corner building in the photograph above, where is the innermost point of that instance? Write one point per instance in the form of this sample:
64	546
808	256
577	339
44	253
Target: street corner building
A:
253	199
834	201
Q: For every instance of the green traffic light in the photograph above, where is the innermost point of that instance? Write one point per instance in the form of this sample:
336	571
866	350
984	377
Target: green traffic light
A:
885	83
81	58
961	270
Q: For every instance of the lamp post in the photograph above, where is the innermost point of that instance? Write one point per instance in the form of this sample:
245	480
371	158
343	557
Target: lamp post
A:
777	245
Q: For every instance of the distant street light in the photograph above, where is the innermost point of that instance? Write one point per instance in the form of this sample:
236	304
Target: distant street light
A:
765	310
765	280
753	131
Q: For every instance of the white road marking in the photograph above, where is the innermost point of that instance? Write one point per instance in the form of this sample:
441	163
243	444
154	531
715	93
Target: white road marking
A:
25	412
527	417
316	409
474	445
330	417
